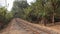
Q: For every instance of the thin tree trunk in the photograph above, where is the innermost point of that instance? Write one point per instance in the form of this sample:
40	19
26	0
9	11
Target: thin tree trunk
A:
43	21
54	9
53	19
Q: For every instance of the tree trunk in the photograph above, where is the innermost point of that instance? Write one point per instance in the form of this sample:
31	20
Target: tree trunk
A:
54	9
53	19
44	21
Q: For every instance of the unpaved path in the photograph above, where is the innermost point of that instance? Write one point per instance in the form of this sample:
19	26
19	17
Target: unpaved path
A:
23	27
14	28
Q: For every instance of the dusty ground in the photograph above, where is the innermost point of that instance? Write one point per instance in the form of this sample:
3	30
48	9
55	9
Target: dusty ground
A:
13	28
55	27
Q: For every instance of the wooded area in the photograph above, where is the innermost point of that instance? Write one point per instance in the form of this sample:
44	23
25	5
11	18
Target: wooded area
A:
41	11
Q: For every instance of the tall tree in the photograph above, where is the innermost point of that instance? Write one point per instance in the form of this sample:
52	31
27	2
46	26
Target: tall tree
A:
55	5
18	8
44	9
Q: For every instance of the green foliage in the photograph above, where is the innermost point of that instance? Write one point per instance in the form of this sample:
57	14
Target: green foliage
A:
41	9
44	9
35	9
2	13
18	8
5	17
9	16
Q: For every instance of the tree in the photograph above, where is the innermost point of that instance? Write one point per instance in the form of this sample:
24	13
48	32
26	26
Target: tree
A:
45	9
2	13
18	8
55	5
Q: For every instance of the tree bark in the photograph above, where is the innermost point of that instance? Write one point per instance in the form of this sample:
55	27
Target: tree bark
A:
44	21
53	19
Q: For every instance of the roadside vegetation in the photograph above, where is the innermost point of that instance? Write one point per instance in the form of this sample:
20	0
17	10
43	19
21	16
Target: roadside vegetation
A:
5	17
40	11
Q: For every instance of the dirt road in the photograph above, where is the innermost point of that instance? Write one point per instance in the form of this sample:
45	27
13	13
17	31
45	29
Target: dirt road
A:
19	26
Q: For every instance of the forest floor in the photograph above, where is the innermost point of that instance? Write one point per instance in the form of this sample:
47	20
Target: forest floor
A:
14	28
